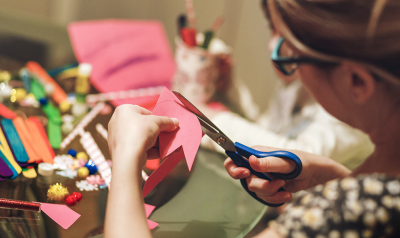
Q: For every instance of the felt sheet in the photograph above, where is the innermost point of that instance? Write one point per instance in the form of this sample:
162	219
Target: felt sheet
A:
125	54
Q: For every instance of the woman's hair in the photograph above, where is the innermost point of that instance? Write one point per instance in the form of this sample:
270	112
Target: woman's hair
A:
363	30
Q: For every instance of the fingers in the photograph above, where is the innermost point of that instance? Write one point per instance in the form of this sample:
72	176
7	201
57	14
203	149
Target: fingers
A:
272	164
153	153
234	171
268	190
166	124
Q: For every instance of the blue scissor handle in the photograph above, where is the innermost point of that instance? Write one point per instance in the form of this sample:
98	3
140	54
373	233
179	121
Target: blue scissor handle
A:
244	151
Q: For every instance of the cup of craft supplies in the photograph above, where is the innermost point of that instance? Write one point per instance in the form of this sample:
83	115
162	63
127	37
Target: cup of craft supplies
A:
202	70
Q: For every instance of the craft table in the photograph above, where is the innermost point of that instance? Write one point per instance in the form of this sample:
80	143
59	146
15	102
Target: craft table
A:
203	203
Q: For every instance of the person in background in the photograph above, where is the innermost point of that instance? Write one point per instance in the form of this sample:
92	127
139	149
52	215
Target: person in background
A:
294	120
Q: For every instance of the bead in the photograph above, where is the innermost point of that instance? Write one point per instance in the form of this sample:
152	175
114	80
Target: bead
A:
72	152
64	106
48	89
19	94
83	172
43	101
91	166
67	128
79	109
82	155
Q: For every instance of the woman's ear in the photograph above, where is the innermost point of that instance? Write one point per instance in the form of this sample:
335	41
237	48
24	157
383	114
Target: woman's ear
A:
362	84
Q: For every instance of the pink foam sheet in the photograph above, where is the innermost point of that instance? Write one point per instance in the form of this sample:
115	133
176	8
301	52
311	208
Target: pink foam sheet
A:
125	54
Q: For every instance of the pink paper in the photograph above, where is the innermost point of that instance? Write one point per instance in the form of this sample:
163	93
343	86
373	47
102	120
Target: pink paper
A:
159	174
188	134
149	209
61	214
125	54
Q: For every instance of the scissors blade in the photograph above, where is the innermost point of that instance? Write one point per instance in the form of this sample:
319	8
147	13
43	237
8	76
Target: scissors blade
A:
207	126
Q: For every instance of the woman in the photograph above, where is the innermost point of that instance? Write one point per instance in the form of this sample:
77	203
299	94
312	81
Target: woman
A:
348	61
347	52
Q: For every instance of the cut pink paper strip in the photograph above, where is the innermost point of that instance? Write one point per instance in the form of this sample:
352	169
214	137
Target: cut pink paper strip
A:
125	54
159	174
149	209
188	134
61	214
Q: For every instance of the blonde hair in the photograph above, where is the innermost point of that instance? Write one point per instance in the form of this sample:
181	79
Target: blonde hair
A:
362	30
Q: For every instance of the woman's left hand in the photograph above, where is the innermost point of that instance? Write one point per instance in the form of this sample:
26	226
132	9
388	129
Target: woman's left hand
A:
133	132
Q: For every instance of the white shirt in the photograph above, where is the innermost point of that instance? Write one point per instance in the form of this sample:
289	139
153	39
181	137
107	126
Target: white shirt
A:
295	121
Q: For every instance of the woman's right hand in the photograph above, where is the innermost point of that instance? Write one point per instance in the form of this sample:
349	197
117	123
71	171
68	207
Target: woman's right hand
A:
316	170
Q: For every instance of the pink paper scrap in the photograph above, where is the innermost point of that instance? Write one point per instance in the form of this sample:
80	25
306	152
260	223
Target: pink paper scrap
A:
61	214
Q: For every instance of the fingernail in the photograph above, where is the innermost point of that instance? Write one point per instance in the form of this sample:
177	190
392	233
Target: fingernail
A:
176	121
246	173
286	197
258	161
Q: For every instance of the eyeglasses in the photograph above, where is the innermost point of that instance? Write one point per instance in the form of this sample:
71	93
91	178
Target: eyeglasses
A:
287	62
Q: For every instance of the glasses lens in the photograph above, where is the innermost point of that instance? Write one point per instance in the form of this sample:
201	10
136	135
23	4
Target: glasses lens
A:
286	52
289	68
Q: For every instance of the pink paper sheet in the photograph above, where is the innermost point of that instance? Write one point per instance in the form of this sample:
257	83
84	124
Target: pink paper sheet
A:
159	174
61	214
188	134
183	142
125	54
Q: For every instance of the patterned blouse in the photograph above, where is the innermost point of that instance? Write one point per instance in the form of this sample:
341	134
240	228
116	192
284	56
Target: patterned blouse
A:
360	207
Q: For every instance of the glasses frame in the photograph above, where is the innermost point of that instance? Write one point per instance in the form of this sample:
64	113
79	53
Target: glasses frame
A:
279	23
280	61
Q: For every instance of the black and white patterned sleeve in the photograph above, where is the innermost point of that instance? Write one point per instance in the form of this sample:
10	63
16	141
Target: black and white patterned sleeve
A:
354	207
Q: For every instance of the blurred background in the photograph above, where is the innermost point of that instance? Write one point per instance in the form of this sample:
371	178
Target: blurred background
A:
37	30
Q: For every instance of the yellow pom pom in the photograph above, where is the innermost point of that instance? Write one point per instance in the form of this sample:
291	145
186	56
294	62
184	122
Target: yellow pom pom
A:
83	172
57	192
82	155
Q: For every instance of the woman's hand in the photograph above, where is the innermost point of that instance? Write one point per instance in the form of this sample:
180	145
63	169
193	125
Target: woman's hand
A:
316	170
133	132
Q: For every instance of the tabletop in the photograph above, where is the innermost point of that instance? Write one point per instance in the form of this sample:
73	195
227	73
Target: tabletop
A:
205	202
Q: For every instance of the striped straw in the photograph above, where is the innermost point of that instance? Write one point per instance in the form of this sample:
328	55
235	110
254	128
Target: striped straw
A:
85	121
141	92
96	156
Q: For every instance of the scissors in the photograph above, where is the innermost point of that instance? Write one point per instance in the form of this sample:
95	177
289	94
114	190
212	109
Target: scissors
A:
240	153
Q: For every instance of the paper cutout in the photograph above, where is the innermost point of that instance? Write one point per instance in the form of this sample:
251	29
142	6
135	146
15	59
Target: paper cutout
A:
149	209
61	214
125	55
159	174
188	134
6	112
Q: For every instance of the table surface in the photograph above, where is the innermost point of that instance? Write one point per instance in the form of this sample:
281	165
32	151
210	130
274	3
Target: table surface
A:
203	203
